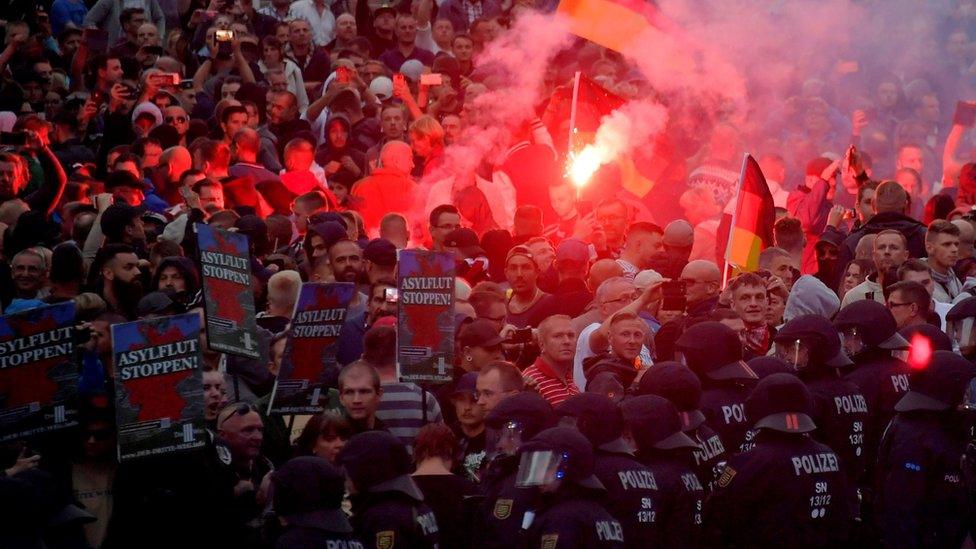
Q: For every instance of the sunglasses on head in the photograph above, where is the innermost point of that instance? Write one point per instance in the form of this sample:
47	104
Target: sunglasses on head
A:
240	409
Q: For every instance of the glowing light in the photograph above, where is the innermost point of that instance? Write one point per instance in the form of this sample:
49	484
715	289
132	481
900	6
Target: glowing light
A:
583	165
920	353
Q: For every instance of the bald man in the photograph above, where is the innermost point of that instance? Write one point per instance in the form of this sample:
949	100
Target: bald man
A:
966	236
702	280
602	270
389	188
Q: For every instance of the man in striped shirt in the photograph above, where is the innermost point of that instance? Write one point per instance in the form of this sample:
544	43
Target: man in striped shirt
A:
552	373
404	407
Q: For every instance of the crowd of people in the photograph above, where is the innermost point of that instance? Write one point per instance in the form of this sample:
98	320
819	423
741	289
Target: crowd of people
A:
614	383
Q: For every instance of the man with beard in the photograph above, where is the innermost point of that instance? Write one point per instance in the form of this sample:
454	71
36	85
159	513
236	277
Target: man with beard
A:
120	284
346	259
350	345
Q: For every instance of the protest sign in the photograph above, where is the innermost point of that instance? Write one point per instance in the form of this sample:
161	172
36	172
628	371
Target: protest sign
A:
225	269
425	316
38	373
158	386
308	366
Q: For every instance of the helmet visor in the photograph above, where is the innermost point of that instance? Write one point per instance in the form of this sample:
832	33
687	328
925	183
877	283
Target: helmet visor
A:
969	396
961	332
505	439
852	341
540	468
793	351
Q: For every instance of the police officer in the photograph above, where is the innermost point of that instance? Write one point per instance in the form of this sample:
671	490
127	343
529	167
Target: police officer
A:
869	335
513	421
959	325
387	506
653	428
678	384
840	411
713	352
788	490
308	493
922	499
557	466
631	486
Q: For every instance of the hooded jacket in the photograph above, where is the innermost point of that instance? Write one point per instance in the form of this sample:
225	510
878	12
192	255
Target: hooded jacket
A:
327	153
913	230
608	362
810	296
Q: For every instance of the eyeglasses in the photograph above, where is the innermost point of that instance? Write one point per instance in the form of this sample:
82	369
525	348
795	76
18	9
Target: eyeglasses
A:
628	297
171	119
448	227
892	304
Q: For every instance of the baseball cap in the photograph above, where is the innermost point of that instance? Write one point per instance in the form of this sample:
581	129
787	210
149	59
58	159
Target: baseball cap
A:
465	240
384	8
117	217
382	87
573	249
479	333
646	277
466	384
412	69
380	251
520	251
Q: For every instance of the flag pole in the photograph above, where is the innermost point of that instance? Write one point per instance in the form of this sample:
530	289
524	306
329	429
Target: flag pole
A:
572	124
735	216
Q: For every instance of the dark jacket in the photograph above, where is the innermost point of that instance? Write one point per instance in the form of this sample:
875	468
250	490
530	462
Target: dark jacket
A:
913	230
458	15
922	496
787	491
608	362
572	517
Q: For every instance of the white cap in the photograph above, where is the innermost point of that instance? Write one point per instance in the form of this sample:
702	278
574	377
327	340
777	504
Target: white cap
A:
412	69
381	87
646	278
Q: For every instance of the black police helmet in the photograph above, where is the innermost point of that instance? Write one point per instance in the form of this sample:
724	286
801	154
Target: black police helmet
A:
577	453
874	322
781	402
940	385
308	491
597	418
673	381
765	366
820	337
938	340
377	461
713	350
528	408
654	423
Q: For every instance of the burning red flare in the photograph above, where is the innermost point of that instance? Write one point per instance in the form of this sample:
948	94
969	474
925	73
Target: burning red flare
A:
921	352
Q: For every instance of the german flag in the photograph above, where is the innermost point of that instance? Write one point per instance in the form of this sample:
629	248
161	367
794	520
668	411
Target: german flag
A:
753	219
613	24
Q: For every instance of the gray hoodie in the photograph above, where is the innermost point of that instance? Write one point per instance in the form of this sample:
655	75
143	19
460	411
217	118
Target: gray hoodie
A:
810	296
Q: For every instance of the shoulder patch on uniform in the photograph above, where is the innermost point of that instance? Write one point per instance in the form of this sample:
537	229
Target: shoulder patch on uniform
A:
726	477
503	509
549	541
385	539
